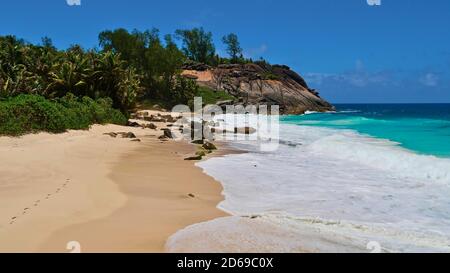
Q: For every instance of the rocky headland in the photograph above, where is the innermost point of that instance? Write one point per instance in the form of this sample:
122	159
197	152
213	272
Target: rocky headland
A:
259	83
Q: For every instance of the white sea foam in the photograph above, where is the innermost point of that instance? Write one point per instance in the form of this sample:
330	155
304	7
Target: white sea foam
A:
285	234
336	186
311	112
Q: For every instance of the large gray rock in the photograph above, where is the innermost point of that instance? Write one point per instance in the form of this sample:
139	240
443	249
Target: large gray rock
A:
264	84
192	65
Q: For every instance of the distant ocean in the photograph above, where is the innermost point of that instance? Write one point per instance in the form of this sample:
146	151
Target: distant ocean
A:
368	172
423	128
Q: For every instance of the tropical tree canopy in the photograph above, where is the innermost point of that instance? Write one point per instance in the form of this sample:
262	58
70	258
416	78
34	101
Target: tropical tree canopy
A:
197	44
128	66
233	46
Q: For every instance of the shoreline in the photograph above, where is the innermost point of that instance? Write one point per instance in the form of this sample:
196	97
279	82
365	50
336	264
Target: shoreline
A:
325	190
116	202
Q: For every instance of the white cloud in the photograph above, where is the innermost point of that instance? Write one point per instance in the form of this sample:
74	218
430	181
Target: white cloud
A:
429	79
357	78
73	2
256	52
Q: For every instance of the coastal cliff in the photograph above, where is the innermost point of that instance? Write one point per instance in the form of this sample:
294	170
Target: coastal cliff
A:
260	83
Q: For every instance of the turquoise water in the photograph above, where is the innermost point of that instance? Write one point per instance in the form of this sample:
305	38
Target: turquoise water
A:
423	128
341	181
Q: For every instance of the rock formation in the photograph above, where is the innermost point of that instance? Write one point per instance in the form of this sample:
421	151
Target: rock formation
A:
260	83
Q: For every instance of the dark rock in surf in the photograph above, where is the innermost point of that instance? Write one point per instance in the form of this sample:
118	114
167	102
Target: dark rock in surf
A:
194	158
209	146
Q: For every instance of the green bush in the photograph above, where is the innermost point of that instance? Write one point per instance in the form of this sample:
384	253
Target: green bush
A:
31	113
270	76
210	96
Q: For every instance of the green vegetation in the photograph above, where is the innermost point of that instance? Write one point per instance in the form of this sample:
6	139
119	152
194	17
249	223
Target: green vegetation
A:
43	70
44	88
210	96
197	44
32	113
159	63
233	47
270	76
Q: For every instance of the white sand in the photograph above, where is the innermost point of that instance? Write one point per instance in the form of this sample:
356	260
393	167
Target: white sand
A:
88	187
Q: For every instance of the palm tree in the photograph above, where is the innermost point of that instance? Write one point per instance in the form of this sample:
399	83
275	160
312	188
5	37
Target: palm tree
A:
114	80
69	75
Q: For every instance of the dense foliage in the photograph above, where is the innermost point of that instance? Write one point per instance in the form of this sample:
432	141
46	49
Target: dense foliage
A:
129	67
197	44
233	47
32	113
159	63
43	70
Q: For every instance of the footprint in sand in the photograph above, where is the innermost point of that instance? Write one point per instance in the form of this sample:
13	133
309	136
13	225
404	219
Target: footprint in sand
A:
13	220
67	182
37	202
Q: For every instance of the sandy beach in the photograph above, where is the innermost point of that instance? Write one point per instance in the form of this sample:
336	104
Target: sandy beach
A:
108	194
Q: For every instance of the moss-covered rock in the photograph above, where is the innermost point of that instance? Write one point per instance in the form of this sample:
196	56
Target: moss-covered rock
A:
209	146
194	158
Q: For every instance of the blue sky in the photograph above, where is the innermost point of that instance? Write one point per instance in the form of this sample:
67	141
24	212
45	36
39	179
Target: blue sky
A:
348	50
